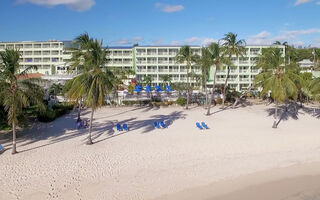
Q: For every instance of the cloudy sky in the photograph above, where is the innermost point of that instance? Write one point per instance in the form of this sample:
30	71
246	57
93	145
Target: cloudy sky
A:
160	22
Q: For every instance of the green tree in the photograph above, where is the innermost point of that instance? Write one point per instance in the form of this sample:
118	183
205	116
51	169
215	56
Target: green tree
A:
95	81
185	55
219	61
148	79
17	91
277	77
166	79
205	63
232	46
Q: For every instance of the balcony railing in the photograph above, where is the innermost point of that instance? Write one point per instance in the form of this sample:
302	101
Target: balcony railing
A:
244	79
243	71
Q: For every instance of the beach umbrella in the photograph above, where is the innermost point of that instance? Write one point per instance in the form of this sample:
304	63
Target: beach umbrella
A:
168	88
158	88
138	88
148	88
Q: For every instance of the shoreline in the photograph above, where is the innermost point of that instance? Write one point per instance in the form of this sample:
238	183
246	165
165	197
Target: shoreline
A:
296	182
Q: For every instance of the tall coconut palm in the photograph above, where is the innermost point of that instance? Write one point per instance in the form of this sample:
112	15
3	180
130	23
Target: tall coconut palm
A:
95	81
204	62
218	60
147	79
186	55
166	79
232	46
16	90
277	77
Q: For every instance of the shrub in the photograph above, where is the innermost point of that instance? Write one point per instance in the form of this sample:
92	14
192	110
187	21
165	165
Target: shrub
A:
57	111
181	101
140	102
219	100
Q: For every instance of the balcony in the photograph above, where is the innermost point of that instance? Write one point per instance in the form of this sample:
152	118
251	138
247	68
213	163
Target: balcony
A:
243	71
244	79
173	70
141	62
163	62
163	70
151	70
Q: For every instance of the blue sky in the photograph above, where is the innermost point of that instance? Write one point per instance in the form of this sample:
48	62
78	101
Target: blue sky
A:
124	22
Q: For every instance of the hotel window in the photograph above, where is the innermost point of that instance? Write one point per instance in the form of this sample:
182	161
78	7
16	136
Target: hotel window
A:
19	46
46	45
27	46
2	46
37	45
55	59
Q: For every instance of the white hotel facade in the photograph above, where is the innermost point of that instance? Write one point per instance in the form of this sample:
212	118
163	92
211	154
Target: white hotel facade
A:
53	57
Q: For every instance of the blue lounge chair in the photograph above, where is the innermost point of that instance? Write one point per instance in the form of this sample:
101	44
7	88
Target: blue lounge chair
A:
163	124
119	127
156	124
204	125
125	127
1	148
199	126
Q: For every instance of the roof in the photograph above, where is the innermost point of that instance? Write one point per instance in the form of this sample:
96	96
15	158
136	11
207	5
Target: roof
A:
31	75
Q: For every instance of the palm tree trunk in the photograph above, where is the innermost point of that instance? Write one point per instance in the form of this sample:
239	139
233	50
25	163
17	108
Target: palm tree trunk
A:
89	142
275	116
188	88
79	109
212	93
14	145
225	87
206	91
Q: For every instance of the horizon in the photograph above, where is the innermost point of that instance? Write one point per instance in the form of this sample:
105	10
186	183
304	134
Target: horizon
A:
158	23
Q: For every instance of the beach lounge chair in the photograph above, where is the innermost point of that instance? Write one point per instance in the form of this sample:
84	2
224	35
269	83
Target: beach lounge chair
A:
119	127
199	126
204	125
1	148
125	127
156	124
163	124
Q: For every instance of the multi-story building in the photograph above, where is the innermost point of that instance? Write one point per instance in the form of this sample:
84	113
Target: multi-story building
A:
48	56
52	57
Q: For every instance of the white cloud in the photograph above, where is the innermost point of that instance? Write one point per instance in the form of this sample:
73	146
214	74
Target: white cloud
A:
158	42
204	41
137	39
292	36
299	2
78	5
127	41
192	40
169	8
295	33
175	42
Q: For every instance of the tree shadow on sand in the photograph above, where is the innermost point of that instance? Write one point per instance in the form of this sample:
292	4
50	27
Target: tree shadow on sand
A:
64	128
285	112
147	125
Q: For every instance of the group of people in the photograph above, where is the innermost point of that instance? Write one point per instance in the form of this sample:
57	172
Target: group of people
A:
82	123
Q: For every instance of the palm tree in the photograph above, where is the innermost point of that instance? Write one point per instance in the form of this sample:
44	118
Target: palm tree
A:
95	81
166	79
185	55
277	77
205	63
217	60
232	46
16	90
147	79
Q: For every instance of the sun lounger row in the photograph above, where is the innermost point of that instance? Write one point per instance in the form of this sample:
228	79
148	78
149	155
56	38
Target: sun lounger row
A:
124	127
202	126
160	124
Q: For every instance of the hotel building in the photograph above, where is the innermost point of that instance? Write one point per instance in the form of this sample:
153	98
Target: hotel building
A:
53	57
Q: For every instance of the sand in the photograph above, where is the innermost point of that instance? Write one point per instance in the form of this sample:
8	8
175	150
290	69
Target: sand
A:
145	163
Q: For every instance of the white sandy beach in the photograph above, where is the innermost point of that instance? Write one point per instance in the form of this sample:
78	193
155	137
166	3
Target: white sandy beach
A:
146	163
